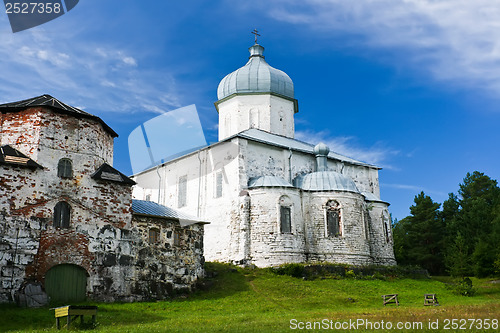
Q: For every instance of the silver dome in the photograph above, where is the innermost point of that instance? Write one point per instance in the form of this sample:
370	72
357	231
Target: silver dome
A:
325	181
256	77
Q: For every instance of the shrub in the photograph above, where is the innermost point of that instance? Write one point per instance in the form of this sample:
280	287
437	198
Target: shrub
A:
350	274
295	270
464	287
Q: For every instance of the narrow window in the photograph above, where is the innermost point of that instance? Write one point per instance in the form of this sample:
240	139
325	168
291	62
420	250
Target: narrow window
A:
61	215
65	168
254	118
177	238
148	197
286	221
154	236
333	228
285	214
366	224
385	220
218	184
182	191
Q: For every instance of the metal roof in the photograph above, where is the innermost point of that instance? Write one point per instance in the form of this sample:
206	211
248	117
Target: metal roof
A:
325	181
150	208
268	181
256	76
107	173
55	105
9	155
372	197
288	143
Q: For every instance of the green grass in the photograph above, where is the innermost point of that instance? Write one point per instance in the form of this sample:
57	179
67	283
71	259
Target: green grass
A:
244	300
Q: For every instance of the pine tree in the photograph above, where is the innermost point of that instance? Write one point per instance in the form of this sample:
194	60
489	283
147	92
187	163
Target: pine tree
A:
425	234
457	258
475	217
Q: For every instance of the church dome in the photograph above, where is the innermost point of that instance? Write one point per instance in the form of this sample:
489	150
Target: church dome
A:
256	77
325	181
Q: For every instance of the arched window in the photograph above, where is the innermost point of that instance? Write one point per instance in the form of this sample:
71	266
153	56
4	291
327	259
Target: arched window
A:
333	221
65	168
285	211
62	212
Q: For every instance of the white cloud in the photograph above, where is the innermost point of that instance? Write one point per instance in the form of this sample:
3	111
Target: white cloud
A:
457	41
413	188
378	154
99	75
129	61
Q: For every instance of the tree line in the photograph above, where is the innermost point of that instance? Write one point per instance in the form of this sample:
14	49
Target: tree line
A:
460	239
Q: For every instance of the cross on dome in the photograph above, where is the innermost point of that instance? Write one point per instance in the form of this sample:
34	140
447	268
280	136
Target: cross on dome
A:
256	33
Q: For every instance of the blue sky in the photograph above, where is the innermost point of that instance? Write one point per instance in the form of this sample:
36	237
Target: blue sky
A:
412	86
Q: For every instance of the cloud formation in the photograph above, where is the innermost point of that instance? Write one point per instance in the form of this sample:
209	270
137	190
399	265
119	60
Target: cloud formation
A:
88	74
378	154
455	41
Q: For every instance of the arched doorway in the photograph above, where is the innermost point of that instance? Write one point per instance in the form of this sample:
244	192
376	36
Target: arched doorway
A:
66	283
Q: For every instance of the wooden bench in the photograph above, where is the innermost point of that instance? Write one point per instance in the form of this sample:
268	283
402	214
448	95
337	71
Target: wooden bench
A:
69	311
390	298
430	299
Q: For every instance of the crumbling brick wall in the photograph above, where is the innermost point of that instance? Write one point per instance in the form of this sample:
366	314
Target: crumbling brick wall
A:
103	237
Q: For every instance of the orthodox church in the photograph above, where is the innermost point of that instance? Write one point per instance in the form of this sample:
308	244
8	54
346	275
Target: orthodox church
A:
272	199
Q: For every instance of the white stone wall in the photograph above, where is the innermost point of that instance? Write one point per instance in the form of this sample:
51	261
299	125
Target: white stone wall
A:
381	244
269	245
352	246
201	201
262	111
245	222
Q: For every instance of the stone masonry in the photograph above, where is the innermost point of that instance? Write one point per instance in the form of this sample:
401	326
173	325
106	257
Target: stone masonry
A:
104	236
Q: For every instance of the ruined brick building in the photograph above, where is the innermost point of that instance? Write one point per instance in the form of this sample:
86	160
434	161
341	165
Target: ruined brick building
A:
270	198
67	218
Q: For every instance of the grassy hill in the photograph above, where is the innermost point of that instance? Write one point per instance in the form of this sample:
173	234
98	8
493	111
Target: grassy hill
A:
258	300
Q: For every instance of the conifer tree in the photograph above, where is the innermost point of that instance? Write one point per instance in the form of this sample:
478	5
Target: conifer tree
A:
424	234
472	222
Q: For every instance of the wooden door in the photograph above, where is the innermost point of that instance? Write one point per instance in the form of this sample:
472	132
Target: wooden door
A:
66	283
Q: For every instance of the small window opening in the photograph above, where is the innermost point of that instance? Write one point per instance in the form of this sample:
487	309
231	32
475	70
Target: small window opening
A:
65	168
333	227
154	236
218	184
177	238
385	221
62	212
182	191
286	220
